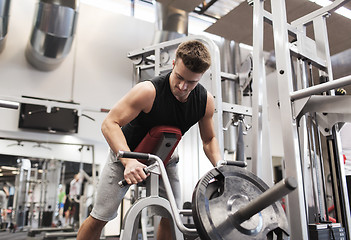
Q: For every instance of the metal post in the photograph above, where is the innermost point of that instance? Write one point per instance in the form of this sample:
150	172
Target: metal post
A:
261	154
296	200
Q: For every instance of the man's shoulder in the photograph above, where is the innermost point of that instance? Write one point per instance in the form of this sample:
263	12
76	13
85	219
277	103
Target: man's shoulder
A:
146	89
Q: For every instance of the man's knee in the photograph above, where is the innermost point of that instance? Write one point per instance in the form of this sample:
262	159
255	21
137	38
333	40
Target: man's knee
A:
93	224
90	229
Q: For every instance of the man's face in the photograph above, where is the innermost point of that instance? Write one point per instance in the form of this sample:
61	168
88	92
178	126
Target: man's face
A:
183	81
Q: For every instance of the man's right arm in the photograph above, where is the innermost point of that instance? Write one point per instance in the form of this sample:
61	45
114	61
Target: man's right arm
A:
139	98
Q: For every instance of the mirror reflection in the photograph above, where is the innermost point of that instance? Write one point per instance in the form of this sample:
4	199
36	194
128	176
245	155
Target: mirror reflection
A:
43	190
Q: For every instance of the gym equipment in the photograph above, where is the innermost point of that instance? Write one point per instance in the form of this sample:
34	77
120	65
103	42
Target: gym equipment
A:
310	113
232	203
326	231
48	191
21	194
160	140
217	199
298	101
34	231
59	235
163	139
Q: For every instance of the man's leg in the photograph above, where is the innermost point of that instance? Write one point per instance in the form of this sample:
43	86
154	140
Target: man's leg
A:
90	229
164	230
108	197
67	222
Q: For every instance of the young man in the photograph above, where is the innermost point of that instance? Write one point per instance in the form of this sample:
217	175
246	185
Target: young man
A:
176	99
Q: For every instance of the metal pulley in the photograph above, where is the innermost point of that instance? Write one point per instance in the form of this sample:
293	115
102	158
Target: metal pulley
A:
230	202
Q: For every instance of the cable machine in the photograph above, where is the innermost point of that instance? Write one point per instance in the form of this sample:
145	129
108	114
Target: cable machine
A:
311	114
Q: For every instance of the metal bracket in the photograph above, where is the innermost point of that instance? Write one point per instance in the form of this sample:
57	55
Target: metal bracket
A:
329	110
237	109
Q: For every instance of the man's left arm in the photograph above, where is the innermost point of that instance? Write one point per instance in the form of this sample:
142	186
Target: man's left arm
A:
207	132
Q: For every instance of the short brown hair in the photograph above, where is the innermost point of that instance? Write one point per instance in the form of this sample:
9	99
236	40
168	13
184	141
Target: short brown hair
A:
195	56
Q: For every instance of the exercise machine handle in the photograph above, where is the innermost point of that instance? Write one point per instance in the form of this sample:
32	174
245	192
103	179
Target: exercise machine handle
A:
124	183
137	155
124	154
237	163
232	163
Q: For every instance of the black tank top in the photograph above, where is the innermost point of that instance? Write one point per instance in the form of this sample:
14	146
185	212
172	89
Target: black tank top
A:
167	110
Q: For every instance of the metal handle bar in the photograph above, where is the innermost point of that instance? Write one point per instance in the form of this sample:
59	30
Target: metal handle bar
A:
123	154
266	199
124	183
137	155
236	163
171	199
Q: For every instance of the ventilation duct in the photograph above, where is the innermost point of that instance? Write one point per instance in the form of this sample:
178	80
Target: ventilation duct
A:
171	23
4	22
53	32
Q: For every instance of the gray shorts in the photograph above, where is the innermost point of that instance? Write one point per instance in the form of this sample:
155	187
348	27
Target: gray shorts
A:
110	194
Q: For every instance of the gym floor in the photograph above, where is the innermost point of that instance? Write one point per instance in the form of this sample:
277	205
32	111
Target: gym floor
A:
6	235
22	235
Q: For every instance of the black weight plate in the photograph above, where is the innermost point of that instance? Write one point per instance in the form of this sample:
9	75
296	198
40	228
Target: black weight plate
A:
220	193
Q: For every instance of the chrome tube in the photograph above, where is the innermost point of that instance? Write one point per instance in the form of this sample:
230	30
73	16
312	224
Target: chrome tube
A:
4	21
53	33
320	88
9	104
229	88
171	23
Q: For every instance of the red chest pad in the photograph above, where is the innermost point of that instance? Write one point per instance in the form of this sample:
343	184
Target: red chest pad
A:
160	141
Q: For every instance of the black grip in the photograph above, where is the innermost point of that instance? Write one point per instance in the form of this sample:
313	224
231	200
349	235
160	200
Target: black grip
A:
124	183
123	154
237	163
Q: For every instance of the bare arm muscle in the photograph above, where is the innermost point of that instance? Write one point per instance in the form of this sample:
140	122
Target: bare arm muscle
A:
139	98
207	132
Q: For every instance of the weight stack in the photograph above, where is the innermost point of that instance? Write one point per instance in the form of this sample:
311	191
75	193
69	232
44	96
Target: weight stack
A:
327	232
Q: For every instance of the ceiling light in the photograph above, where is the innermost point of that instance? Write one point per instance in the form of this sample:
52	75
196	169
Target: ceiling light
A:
15	172
8	168
1	174
344	12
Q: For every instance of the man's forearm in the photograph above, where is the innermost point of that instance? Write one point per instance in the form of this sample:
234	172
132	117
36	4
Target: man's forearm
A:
212	151
115	138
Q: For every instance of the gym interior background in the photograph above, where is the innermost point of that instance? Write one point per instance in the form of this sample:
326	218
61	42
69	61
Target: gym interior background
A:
89	69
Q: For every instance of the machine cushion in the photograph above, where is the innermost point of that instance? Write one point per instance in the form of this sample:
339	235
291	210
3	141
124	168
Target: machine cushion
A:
151	142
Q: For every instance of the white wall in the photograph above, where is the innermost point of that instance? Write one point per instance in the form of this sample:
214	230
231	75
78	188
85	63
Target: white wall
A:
95	74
